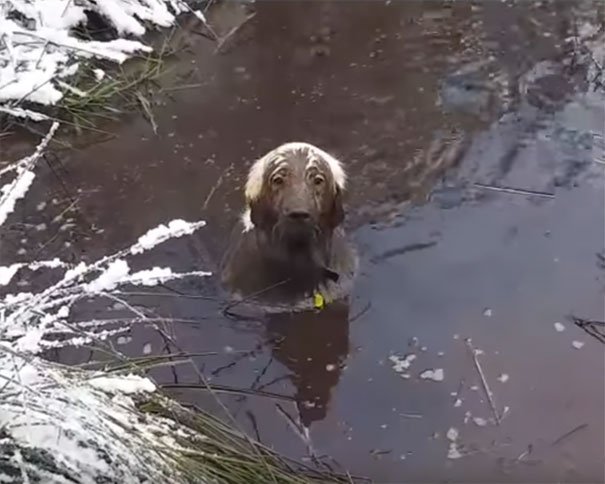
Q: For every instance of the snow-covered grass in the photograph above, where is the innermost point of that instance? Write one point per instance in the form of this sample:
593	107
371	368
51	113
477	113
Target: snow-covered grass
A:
63	424
41	54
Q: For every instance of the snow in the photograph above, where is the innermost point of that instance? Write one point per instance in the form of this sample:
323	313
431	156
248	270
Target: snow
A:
39	50
128	384
176	228
23	113
14	192
16	189
121	16
99	74
50	264
116	271
7	273
75	272
151	277
88	429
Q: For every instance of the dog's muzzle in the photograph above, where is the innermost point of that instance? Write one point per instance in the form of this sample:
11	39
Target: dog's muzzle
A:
298	229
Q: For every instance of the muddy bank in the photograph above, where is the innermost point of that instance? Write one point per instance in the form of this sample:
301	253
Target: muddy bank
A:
434	108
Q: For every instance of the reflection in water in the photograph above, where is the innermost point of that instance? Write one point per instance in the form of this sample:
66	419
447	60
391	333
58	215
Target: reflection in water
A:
313	346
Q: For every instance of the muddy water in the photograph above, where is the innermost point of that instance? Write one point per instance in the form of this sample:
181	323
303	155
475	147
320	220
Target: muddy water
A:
434	108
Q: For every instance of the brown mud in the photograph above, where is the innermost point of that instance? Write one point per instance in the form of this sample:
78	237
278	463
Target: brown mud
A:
434	108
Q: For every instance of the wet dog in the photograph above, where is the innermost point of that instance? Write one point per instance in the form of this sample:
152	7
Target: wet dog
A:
289	244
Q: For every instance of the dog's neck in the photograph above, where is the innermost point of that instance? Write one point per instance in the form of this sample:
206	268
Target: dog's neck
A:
306	267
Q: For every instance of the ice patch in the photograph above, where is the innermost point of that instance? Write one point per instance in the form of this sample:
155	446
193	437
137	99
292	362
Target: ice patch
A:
124	340
452	434
401	364
435	375
479	421
453	452
559	327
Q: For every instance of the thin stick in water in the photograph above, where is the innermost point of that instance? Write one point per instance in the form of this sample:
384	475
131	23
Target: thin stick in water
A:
567	435
516	191
486	389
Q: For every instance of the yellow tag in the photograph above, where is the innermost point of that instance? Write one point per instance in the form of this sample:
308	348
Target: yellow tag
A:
318	300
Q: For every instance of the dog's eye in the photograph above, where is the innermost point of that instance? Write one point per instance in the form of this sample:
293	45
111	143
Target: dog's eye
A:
318	180
277	180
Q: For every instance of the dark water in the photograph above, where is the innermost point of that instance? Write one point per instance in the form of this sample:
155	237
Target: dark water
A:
433	107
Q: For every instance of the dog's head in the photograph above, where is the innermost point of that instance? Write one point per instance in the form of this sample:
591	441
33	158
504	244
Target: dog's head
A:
294	194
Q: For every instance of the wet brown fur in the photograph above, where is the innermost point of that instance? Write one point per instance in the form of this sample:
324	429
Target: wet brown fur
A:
296	244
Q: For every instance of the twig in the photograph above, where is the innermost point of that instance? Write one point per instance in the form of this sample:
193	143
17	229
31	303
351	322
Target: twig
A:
486	388
74	201
208	5
273	382
584	322
590	327
363	311
411	415
227	389
180	88
525	453
567	435
174	293
146	105
232	32
261	374
242	355
254	424
202	18
517	191
299	430
253	295
214	187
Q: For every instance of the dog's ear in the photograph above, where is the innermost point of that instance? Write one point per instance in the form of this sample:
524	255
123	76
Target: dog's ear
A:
336	214
262	214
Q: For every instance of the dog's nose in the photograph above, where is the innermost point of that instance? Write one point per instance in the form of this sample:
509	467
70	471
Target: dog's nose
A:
299	215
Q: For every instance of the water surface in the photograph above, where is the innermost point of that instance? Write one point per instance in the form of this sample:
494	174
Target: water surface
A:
434	108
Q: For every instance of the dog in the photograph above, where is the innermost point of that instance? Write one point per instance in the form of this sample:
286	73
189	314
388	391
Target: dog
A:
289	247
